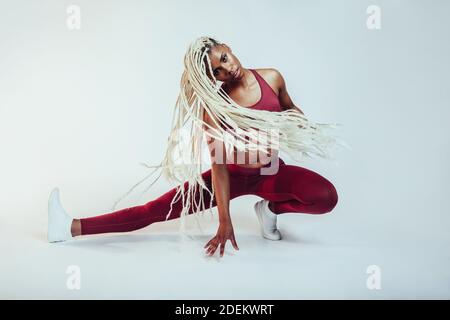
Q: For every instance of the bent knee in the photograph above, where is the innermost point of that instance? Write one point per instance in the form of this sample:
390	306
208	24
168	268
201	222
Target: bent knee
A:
328	200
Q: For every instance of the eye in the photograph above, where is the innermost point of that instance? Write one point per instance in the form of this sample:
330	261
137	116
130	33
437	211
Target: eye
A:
224	59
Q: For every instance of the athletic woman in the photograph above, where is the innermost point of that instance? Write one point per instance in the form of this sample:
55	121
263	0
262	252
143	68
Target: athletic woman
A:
245	96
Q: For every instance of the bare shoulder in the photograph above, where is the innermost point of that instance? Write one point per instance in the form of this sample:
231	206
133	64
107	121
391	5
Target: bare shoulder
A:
273	77
270	74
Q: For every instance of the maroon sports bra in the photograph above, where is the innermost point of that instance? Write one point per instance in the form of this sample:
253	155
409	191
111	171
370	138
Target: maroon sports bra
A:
269	99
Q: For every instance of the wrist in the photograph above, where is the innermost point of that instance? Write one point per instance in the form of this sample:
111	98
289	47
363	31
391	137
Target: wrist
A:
225	220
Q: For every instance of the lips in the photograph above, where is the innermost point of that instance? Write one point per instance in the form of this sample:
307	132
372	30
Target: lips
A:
236	73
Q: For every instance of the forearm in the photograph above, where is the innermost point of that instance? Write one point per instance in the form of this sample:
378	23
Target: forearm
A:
219	175
221	185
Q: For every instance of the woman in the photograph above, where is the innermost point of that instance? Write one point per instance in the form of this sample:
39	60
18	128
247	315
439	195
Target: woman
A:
221	97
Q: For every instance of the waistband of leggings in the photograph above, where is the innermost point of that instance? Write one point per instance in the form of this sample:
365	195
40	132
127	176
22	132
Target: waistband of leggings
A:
235	168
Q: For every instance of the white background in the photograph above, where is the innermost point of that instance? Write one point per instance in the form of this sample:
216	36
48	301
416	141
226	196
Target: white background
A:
80	109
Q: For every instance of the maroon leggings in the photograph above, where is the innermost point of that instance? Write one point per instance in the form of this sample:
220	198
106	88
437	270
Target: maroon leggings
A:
291	189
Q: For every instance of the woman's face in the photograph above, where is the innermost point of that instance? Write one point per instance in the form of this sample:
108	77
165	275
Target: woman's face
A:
225	65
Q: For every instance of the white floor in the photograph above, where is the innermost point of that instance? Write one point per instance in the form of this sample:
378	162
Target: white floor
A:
318	258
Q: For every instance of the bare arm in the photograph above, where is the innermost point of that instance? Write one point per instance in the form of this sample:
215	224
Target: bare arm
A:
219	173
221	184
285	100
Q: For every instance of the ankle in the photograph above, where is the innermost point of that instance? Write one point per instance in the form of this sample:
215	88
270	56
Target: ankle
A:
270	206
75	227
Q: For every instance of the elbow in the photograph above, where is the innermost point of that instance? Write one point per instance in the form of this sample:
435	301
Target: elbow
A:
220	174
219	169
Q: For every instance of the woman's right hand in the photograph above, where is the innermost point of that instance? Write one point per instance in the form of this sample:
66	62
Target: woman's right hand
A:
224	233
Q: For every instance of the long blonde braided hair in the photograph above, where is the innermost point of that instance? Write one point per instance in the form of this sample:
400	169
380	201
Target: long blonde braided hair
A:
201	93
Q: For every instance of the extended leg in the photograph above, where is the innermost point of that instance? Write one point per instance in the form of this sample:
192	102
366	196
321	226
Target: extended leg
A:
140	216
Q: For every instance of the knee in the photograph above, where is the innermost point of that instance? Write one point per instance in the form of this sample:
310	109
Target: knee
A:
328	200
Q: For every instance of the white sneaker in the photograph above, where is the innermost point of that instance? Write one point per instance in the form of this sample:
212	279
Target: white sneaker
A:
59	222
267	220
